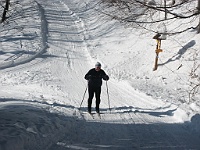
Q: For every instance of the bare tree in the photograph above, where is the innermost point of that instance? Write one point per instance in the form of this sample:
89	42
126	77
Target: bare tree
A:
6	8
149	13
199	16
195	77
176	15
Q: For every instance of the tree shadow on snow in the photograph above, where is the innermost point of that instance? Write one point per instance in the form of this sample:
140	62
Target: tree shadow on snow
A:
180	52
131	109
27	126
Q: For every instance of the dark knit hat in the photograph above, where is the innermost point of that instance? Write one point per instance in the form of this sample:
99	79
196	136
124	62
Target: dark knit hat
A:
98	64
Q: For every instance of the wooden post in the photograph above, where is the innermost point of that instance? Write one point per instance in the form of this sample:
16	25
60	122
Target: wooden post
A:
158	50
156	63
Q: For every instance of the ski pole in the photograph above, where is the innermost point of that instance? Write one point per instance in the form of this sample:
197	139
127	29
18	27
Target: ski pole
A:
108	96
83	98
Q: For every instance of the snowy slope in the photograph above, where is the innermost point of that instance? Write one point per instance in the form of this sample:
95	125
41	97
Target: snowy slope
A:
43	60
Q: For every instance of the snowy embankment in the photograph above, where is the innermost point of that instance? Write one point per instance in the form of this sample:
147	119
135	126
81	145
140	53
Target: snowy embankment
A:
57	42
18	58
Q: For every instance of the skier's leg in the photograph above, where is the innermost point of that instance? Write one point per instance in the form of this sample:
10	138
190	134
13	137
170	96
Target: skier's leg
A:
98	100
91	95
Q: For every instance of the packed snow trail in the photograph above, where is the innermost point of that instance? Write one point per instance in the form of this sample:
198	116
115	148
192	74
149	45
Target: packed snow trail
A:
39	127
133	113
71	61
56	85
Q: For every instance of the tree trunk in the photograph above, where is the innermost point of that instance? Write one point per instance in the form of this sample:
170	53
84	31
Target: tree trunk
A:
198	31
5	10
165	9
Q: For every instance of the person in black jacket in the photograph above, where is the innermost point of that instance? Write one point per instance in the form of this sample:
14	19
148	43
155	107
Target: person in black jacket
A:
94	77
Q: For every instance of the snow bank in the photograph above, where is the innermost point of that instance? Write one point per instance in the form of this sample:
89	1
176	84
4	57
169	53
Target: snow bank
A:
181	115
24	35
30	126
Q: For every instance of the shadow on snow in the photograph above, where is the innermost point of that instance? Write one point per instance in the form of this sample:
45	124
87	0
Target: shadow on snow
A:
180	52
27	126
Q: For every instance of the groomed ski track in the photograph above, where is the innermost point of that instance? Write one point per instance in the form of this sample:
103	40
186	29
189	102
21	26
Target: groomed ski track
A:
126	126
73	60
136	121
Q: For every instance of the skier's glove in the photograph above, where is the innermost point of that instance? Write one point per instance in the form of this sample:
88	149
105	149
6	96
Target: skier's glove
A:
106	77
89	77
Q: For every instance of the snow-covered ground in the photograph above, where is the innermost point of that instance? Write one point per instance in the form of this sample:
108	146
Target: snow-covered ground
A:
46	49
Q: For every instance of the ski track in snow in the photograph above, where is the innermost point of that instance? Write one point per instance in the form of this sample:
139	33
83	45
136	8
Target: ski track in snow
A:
55	86
72	56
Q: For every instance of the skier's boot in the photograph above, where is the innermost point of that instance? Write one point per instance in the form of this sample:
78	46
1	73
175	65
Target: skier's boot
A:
89	110
97	110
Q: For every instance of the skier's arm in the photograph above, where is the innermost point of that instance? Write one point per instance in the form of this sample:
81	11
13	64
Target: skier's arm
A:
88	75
105	76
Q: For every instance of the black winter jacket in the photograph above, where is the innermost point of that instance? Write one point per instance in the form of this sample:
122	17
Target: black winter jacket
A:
95	77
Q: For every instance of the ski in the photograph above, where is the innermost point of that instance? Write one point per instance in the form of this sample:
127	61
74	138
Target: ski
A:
91	115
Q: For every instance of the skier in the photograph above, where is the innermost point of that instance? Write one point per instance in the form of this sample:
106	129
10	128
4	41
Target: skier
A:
94	77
